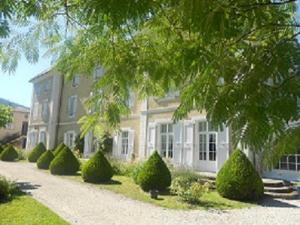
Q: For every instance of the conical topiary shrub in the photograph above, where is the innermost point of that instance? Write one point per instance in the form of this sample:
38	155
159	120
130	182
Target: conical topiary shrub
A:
45	160
65	163
238	179
1	149
36	152
97	169
60	147
9	154
154	174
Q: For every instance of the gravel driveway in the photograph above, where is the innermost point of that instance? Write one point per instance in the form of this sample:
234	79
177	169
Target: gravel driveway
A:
86	205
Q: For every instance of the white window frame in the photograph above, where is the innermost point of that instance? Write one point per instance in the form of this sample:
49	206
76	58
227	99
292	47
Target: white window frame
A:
124	142
207	154
169	136
67	140
75	80
72	111
285	160
35	113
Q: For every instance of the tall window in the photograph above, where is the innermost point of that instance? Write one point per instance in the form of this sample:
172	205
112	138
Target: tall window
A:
45	109
72	104
289	162
35	111
75	81
125	142
167	140
43	137
207	141
70	139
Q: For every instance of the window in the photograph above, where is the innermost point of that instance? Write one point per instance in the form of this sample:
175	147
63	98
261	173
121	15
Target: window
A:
9	126
35	110
289	162
72	104
207	141
45	109
75	81
130	100
125	142
97	73
33	138
69	139
167	140
43	137
46	86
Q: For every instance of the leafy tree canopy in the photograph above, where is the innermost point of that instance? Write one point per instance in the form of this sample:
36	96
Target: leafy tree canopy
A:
5	115
236	60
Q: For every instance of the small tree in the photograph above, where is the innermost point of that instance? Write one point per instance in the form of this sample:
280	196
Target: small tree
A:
45	160
57	150
5	115
97	169
36	152
238	179
154	174
9	154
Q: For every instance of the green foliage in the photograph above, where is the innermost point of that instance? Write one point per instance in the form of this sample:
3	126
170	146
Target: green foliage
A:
22	154
136	171
7	189
44	160
154	174
36	152
9	154
238	179
236	60
97	169
189	189
106	143
79	144
65	163
1	148
60	147
5	115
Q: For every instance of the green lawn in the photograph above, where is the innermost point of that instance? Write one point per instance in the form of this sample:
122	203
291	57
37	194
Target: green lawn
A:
24	210
125	186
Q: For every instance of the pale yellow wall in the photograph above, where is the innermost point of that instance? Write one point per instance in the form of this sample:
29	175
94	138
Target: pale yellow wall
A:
82	91
18	118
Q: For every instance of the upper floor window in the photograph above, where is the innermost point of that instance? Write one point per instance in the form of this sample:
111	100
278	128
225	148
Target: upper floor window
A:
35	110
130	100
97	73
46	86
45	109
72	105
75	80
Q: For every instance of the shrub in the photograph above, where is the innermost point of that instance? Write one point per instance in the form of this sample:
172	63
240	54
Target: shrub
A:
154	174
65	163
238	179
57	150
136	171
36	152
22	154
1	149
45	160
188	188
7	189
9	154
97	169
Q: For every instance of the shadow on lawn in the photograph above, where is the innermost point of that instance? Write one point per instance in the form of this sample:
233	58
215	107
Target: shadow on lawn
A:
271	202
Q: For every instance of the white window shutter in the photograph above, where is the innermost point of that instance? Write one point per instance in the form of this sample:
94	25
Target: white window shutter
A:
130	143
188	143
151	140
177	142
66	138
115	145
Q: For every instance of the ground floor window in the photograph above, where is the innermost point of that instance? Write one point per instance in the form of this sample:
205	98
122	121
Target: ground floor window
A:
43	137
289	162
70	139
167	140
125	142
207	145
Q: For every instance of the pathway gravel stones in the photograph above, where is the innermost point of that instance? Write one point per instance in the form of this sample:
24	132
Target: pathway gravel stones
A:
82	204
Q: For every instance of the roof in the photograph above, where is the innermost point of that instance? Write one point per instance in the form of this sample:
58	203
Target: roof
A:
40	75
15	106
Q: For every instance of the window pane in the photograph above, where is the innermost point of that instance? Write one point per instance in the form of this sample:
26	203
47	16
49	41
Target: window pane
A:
170	146
202	126
202	147
170	128
211	128
212	147
164	145
163	128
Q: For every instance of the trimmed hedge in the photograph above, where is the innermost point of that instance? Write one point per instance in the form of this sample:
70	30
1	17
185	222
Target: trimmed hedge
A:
238	179
97	169
57	150
45	160
9	154
65	163
154	174
36	152
1	149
